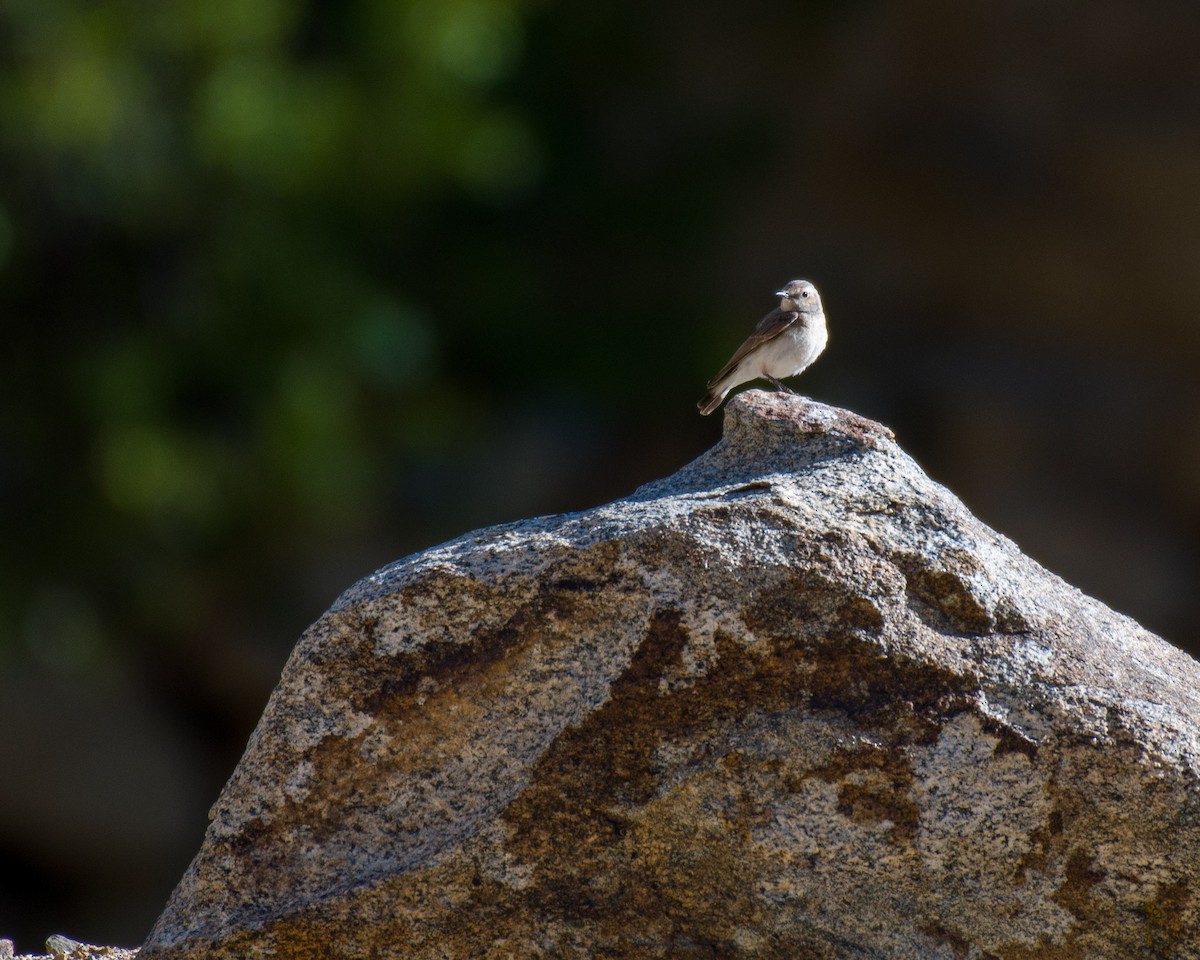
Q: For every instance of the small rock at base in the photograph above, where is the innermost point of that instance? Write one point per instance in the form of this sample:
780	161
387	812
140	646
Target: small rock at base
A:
59	945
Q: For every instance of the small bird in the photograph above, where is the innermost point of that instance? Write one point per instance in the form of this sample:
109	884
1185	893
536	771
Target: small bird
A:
784	343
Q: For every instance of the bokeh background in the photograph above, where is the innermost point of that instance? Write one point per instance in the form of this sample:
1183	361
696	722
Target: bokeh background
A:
291	288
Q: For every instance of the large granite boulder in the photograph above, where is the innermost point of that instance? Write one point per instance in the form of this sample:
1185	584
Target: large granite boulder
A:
793	701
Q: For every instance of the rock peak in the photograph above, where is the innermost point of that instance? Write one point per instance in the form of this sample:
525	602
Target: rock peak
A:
776	433
758	413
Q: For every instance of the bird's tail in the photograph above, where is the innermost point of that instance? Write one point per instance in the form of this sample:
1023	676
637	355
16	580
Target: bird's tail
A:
710	401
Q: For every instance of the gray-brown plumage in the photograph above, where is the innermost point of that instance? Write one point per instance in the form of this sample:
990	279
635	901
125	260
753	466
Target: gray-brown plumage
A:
784	343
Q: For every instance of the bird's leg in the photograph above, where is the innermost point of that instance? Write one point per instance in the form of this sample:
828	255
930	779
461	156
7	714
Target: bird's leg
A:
782	386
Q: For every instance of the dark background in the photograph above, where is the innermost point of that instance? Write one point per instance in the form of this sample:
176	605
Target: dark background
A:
291	289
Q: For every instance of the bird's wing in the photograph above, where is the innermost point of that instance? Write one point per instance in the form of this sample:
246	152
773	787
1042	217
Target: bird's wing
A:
769	327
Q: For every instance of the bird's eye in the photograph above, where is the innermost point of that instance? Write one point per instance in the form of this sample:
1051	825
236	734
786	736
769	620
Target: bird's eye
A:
804	293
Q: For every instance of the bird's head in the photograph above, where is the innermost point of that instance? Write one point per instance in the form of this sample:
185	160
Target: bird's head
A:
799	295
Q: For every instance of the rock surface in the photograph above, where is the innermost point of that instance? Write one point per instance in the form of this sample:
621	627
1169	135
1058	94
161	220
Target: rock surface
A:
793	701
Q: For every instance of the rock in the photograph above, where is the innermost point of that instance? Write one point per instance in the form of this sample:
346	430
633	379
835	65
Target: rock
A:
63	946
793	701
59	947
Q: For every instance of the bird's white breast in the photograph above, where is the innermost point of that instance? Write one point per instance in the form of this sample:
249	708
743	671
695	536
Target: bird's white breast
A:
794	349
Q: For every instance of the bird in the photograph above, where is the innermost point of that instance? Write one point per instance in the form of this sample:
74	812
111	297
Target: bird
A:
785	342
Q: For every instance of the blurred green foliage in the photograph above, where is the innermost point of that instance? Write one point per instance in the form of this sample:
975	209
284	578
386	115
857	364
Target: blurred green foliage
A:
226	229
204	216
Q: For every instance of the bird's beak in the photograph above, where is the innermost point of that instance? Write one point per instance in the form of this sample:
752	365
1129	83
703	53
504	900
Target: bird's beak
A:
782	293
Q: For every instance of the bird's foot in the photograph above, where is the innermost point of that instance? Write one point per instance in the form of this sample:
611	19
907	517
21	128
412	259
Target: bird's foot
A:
783	387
